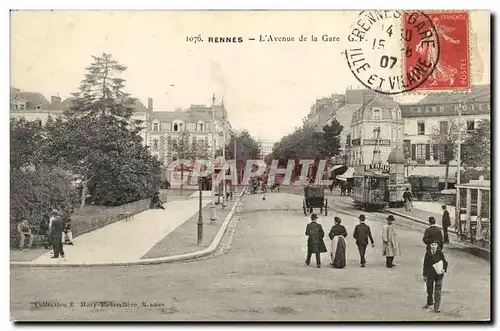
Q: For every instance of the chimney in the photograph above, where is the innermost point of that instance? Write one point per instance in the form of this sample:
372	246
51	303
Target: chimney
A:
150	104
55	100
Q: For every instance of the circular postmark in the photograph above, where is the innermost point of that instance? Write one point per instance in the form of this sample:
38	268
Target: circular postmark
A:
392	51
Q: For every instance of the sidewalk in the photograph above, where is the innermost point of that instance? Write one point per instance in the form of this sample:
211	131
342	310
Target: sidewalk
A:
421	212
126	241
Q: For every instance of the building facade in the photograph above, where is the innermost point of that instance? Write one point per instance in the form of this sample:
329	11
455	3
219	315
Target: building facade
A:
438	114
164	127
160	128
376	128
266	148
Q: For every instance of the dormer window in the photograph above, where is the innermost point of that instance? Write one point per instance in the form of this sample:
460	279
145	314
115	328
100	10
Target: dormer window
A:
200	126
376	114
39	107
155	127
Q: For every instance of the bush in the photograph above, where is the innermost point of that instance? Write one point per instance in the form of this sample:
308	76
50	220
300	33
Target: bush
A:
33	194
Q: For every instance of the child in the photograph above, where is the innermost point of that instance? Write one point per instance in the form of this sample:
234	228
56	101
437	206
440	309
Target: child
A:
435	266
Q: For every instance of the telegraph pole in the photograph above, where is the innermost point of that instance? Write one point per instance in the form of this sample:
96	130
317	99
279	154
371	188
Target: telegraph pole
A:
459	160
213	215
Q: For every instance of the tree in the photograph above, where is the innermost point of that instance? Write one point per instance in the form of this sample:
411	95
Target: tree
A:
307	143
476	148
247	148
446	140
35	188
98	139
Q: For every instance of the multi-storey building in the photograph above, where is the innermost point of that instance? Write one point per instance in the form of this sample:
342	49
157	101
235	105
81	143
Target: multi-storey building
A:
160	128
434	114
266	148
166	126
323	110
376	127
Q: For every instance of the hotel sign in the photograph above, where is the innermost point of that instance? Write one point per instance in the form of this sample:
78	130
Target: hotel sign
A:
383	142
473	108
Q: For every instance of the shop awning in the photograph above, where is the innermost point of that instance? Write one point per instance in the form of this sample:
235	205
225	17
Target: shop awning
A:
335	167
426	171
346	175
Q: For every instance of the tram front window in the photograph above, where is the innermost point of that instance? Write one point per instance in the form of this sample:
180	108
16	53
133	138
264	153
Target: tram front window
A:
378	184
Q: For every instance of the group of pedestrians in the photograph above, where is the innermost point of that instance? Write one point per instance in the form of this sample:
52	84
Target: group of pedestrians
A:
434	264
362	234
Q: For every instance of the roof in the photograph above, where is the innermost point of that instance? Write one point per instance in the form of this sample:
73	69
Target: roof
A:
477	93
33	99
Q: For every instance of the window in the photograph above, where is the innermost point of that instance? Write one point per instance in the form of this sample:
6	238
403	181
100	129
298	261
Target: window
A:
442	151
181	127
376	114
155	143
39	107
420	152
421	129
176	127
200	126
470	125
375	132
443	128
348	140
155	126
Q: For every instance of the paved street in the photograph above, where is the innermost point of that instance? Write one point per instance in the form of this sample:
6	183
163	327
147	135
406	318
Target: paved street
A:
263	277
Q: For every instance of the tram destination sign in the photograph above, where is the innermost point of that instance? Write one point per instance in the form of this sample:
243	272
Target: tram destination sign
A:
377	167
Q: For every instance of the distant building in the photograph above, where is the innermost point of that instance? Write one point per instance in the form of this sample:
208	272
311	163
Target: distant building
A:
323	110
266	148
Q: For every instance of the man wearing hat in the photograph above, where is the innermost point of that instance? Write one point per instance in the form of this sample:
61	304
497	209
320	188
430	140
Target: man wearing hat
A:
435	265
445	222
56	231
390	243
433	234
362	233
315	243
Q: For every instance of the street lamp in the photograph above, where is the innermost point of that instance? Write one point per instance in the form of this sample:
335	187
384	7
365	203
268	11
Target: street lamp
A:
200	216
213	215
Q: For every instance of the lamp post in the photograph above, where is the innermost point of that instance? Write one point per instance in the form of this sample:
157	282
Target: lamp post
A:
200	216
213	215
223	156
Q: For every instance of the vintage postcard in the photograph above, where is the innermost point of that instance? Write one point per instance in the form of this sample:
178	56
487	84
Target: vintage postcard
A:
250	166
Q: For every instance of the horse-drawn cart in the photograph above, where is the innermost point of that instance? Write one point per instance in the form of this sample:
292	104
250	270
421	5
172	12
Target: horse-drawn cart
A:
314	197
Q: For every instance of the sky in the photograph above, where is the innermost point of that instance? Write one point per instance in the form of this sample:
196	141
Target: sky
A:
267	87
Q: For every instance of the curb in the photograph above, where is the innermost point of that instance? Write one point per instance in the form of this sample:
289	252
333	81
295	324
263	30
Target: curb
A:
415	219
168	259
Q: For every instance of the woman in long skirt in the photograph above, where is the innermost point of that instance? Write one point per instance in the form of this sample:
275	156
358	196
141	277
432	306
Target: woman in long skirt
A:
337	252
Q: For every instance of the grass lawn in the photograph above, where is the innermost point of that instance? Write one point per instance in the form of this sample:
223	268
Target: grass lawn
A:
183	239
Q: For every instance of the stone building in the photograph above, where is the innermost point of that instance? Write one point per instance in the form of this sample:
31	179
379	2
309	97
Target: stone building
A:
433	114
376	127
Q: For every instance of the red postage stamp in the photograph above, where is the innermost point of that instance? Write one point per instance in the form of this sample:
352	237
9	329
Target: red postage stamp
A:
452	71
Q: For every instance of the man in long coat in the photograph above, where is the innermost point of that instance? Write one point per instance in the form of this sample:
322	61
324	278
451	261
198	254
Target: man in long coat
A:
446	222
315	243
433	234
362	233
390	244
56	231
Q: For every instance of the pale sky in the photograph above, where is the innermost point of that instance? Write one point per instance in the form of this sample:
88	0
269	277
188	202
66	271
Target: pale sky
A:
267	87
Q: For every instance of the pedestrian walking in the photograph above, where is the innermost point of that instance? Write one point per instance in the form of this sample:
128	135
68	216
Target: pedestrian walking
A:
56	231
52	217
446	222
433	234
391	246
362	234
315	243
435	265
337	253
408	199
